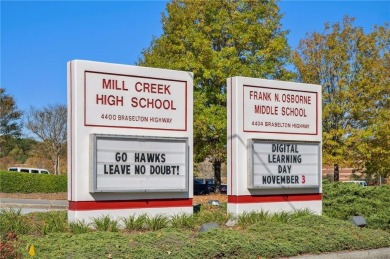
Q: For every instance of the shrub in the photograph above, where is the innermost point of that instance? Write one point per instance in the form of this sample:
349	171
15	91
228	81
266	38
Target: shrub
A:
13	182
157	222
250	218
211	213
183	220
79	227
105	223
343	201
55	221
135	223
12	220
8	246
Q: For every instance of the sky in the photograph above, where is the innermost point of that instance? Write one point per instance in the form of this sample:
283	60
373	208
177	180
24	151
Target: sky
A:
38	38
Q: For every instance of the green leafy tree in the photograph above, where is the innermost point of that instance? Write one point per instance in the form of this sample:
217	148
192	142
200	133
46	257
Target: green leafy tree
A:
371	112
10	126
49	124
353	68
216	40
20	148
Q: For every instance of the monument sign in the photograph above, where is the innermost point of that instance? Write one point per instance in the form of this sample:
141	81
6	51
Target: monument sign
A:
274	145
130	140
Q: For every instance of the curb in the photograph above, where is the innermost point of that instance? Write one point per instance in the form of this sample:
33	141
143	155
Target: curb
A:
34	204
381	253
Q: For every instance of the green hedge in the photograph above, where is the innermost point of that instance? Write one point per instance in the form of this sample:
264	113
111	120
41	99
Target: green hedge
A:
14	182
343	201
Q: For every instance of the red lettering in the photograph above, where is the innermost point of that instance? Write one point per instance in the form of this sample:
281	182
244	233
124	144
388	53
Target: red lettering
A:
152	88
150	103
296	112
111	100
107	84
138	84
160	89
124	87
142	105
100	98
262	109
113	84
166	89
295	98
158	103
146	87
134	102
264	96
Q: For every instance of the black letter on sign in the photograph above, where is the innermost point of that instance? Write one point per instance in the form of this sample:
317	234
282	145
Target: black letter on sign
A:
119	157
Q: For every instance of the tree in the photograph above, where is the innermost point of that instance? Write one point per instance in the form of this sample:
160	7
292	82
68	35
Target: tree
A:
353	69
210	134
371	135
10	126
9	115
216	40
49	124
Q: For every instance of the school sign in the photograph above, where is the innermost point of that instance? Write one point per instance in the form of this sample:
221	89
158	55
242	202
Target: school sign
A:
274	145
130	143
130	140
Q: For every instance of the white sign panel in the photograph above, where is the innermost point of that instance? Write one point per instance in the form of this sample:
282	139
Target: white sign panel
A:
278	110
130	101
129	164
283	164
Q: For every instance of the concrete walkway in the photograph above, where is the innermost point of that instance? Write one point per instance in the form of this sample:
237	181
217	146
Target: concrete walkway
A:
381	253
33	205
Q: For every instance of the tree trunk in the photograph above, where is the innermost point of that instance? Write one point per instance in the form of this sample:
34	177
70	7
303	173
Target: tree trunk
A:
56	162
58	165
217	175
336	173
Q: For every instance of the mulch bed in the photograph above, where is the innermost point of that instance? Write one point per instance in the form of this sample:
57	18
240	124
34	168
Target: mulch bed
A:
198	199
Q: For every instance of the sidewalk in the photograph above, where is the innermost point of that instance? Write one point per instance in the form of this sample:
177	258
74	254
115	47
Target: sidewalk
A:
34	204
381	253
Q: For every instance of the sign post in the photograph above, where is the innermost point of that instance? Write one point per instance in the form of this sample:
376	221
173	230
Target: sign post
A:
274	146
130	141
